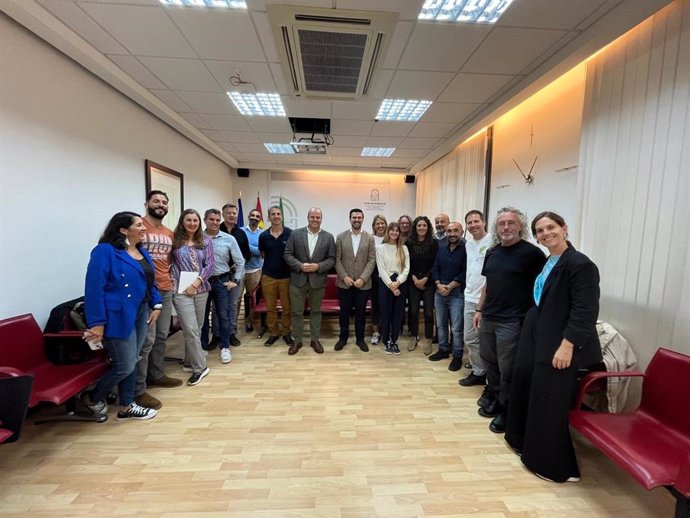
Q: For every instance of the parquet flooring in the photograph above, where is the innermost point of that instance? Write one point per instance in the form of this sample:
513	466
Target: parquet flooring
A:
345	434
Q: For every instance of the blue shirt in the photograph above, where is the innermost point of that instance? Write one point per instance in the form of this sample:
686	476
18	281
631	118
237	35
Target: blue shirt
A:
225	248
255	261
451	265
541	278
272	249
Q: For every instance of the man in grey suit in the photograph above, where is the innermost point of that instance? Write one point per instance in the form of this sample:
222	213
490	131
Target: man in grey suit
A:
355	259
310	254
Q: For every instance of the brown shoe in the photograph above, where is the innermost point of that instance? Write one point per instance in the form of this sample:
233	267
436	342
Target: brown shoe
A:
316	345
147	401
296	346
163	382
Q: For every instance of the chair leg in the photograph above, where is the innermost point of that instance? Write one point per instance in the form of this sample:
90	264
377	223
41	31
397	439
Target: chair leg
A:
71	414
682	504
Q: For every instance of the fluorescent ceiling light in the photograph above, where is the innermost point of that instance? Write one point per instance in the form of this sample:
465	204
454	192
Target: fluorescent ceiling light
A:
377	151
268	105
467	11
235	4
285	149
402	110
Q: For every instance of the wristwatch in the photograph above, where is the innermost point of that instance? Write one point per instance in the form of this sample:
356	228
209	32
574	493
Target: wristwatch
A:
158	306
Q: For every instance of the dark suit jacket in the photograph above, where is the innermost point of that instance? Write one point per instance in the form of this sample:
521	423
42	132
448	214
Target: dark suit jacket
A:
297	253
569	308
359	266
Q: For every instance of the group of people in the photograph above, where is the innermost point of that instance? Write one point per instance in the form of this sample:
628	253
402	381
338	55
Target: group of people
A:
527	321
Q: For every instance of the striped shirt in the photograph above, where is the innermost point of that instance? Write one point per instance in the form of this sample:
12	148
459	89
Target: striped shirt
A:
190	259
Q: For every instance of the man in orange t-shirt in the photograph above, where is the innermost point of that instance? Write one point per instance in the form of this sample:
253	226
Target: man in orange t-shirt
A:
158	243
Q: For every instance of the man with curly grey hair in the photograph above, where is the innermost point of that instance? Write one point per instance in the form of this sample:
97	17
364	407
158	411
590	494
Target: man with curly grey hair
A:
510	268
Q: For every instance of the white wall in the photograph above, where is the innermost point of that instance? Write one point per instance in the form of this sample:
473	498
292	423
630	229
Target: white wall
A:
333	191
554	117
72	154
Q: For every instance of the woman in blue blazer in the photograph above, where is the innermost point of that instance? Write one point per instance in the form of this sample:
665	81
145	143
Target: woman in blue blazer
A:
558	339
119	291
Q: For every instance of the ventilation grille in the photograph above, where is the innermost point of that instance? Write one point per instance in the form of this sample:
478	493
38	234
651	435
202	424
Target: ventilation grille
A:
330	53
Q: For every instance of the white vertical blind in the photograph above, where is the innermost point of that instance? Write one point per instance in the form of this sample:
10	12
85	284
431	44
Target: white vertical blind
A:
455	183
635	170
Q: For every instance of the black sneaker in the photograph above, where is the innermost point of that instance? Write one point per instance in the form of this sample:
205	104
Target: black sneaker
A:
137	412
455	364
438	356
396	349
486	397
248	328
389	348
196	378
234	341
271	340
472	380
98	408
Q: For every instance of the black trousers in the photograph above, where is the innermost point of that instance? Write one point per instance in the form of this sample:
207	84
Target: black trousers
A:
352	298
414	297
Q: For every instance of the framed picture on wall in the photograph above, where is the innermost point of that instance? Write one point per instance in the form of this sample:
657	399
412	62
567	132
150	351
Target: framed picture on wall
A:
161	178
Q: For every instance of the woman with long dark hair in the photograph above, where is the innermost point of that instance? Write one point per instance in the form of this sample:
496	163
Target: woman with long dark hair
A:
558	339
393	262
119	292
192	257
422	248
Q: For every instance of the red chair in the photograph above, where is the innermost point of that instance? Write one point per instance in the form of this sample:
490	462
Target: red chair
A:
22	352
14	402
652	444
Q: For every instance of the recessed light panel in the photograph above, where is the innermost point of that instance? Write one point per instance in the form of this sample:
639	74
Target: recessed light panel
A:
235	4
402	110
267	105
377	151
466	11
285	149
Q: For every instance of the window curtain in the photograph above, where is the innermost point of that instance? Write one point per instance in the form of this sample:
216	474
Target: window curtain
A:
455	183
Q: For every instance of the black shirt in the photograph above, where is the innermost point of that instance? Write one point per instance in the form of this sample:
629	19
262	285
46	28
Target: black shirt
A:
510	272
422	255
272	249
242	240
149	275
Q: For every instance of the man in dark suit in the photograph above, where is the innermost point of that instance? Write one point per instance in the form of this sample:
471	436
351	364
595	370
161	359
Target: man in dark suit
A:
310	254
355	259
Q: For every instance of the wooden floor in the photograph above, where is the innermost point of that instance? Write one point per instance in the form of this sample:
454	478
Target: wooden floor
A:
335	435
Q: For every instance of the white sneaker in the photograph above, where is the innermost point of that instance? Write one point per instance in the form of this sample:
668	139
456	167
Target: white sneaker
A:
225	356
375	338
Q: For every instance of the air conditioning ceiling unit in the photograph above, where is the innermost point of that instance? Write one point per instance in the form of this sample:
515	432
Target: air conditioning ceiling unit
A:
331	53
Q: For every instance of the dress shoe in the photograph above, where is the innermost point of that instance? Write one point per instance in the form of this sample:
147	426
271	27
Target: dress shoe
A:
212	345
163	382
472	380
271	340
249	328
316	345
262	332
455	364
487	397
490	410
468	366
498	423
288	339
296	346
438	356
147	401
362	346
234	341
339	345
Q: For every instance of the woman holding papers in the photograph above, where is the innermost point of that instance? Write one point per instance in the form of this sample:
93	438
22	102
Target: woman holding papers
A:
119	292
191	266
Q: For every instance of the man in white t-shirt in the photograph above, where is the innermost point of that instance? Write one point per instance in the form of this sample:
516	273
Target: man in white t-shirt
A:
476	248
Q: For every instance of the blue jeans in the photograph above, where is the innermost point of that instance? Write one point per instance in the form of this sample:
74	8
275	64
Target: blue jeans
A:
124	354
219	295
449	308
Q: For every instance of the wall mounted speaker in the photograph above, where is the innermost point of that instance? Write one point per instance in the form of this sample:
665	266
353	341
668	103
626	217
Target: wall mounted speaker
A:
409	178
243	173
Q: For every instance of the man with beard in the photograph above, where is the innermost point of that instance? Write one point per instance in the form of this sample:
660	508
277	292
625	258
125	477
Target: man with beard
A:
252	269
158	243
441	222
355	258
510	268
448	274
229	226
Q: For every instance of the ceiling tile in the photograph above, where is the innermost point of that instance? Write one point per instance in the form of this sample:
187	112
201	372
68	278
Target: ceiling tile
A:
182	74
409	84
196	120
449	112
171	100
542	14
228	147
407	9
240	136
409	153
432	129
208	102
392	128
384	141
442	46
85	26
269	124
214	135
419	143
260	5
370	161
355	110
509	50
279	78
344	127
399	162
350	141
259	74
473	88
144	31
344	151
275	138
382	80
343	161
218	34
227	122
315	159
397	45
137	71
263	30
245	147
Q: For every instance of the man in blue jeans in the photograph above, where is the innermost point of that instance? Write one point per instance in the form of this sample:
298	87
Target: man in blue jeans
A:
222	282
448	275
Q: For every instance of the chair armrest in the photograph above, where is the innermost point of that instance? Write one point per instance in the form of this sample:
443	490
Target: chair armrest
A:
592	377
10	372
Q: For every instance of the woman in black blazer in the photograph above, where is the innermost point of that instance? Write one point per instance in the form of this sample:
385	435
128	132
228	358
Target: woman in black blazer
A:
558	338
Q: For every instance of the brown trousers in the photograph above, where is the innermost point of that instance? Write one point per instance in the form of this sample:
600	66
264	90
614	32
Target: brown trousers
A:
274	289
